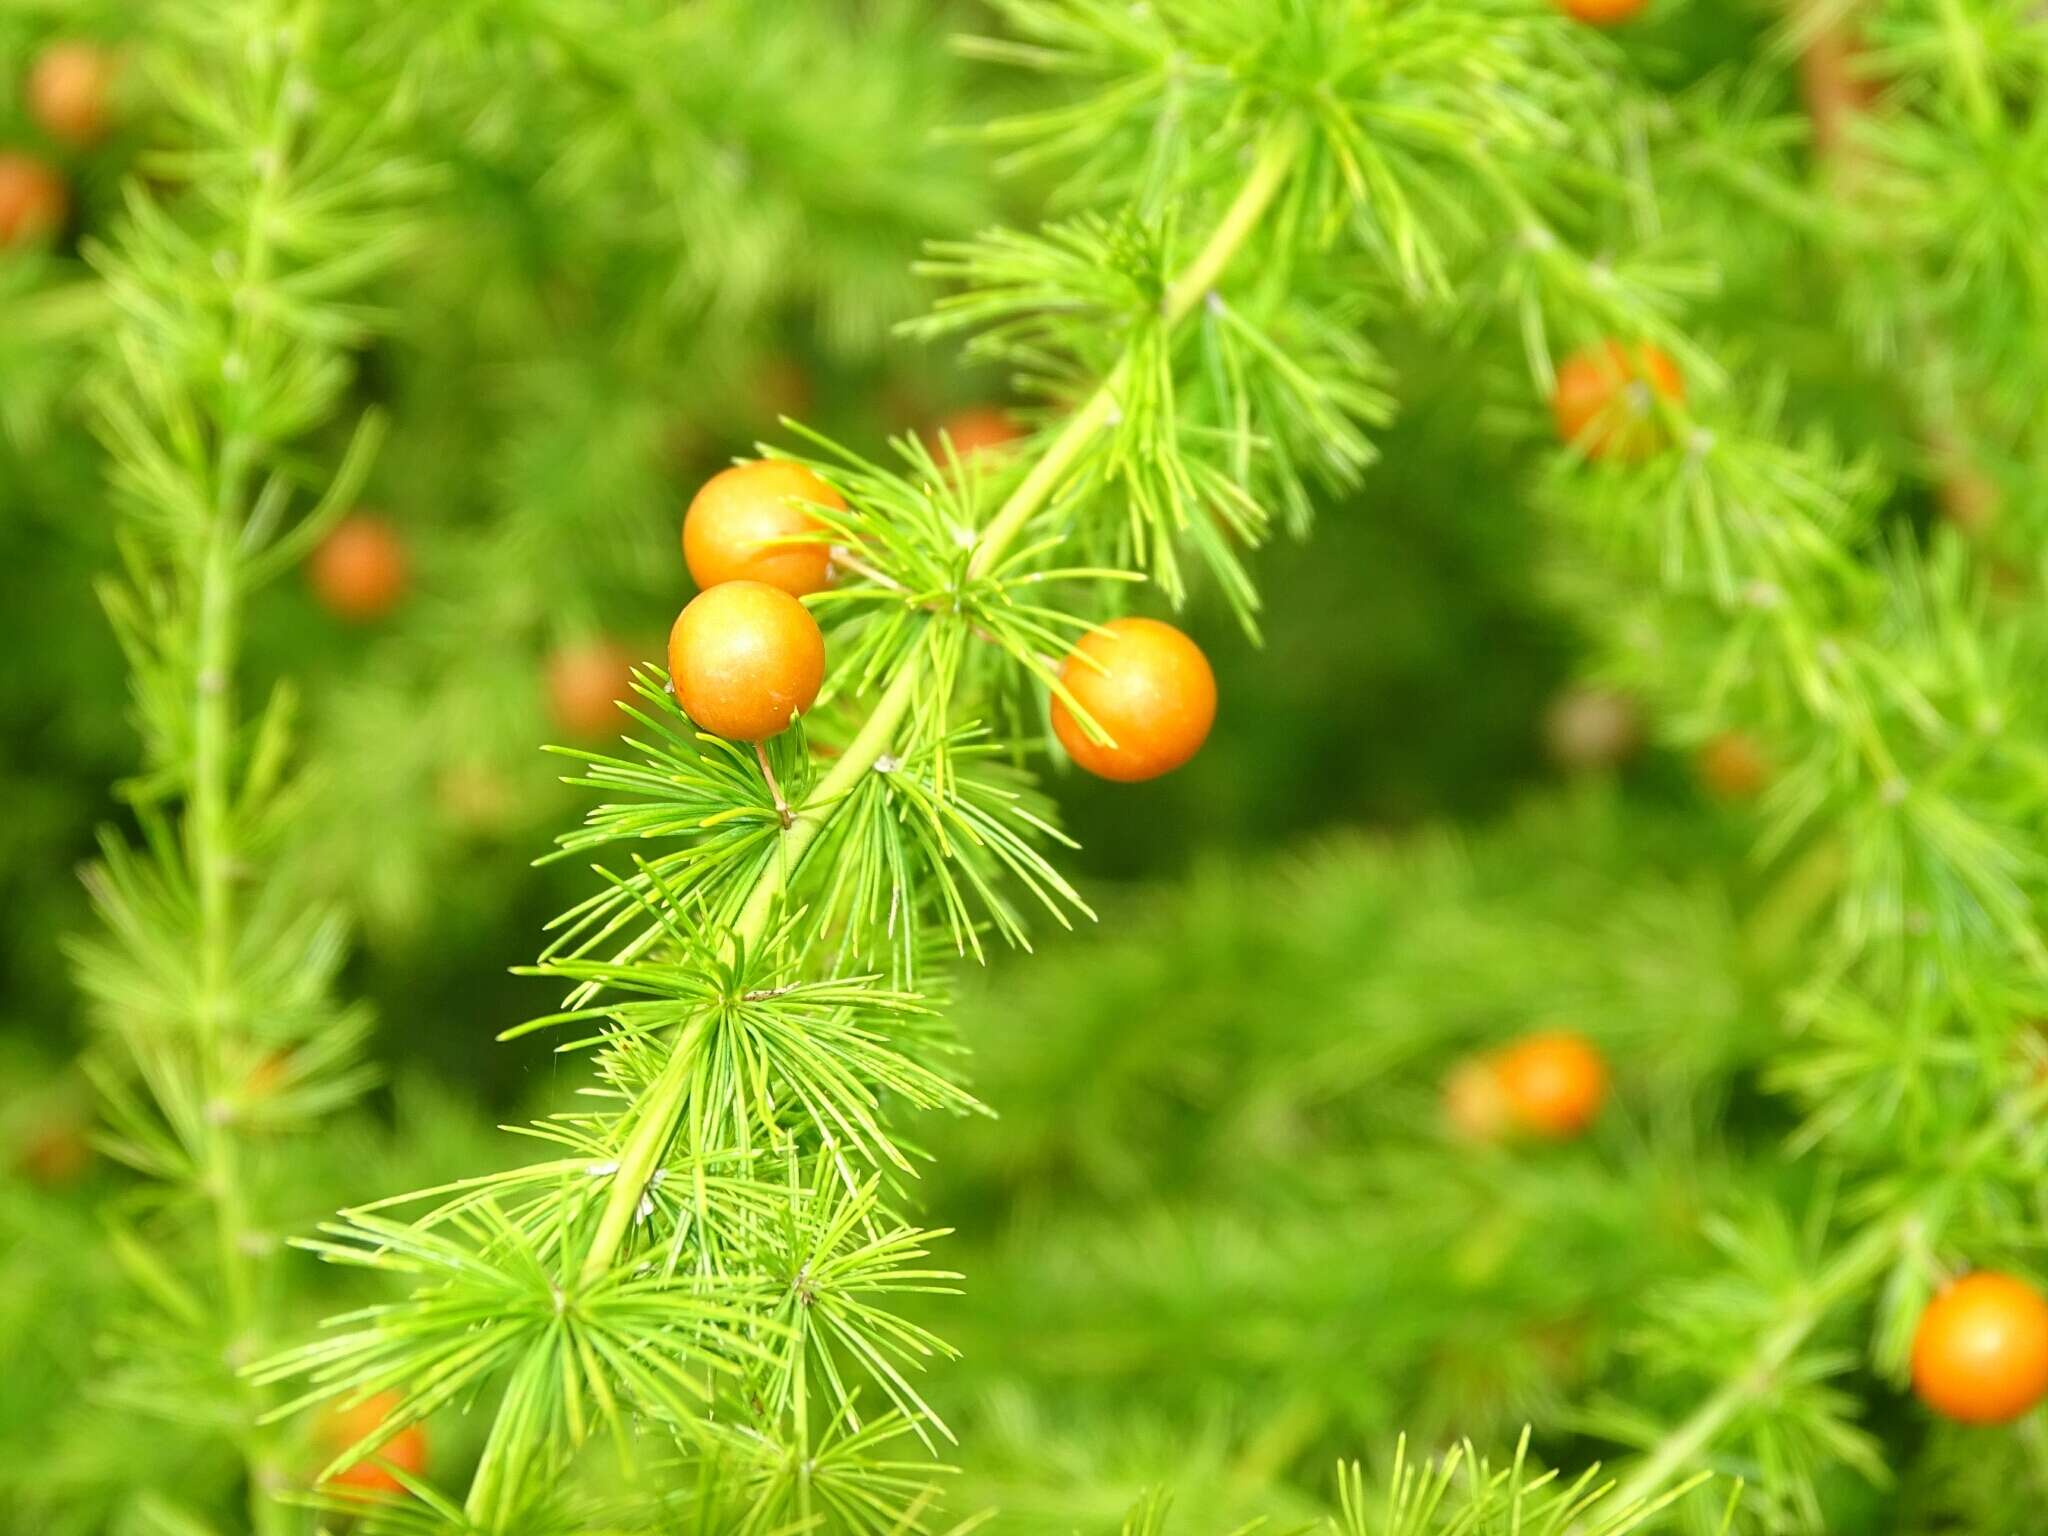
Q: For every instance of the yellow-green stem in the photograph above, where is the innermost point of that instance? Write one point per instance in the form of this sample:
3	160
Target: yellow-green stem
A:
210	845
658	1115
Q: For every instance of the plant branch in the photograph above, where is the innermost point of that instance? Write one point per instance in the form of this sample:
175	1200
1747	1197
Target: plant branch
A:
1851	1270
655	1125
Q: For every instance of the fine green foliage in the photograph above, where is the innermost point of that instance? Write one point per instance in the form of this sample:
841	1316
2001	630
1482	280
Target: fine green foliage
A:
732	1249
210	982
296	152
722	1293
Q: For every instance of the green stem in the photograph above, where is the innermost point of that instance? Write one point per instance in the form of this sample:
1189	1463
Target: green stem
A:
657	1115
661	1112
210	846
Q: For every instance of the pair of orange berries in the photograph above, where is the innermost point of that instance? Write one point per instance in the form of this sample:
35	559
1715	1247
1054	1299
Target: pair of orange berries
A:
746	656
67	94
361	571
1549	1085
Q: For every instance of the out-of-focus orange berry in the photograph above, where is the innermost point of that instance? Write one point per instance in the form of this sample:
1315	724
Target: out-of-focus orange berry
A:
33	201
406	1450
68	92
1733	766
360	570
1980	1351
1606	400
1555	1083
586	683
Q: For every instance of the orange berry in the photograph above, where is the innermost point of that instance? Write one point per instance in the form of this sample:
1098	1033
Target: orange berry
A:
68	90
976	430
585	684
734	523
359	571
1734	767
1555	1083
33	201
345	1427
1980	1352
744	658
1601	13
1606	399
1149	686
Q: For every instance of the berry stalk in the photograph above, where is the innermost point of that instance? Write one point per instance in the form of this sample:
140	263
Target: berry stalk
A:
660	1112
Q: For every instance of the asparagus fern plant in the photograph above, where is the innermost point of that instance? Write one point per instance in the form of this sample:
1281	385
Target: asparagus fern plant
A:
708	1301
701	1284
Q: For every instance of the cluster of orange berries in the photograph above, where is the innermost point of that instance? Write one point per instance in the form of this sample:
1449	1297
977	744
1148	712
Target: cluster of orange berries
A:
68	90
746	657
1549	1085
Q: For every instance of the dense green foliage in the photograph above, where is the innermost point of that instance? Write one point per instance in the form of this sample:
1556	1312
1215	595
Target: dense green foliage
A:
519	274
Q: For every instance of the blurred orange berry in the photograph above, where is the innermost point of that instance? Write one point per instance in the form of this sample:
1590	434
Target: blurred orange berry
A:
349	1426
1980	1350
1733	766
1586	729
68	92
360	570
781	386
973	432
1606	399
1554	1083
1601	13
586	683
33	201
1476	1100
56	1153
